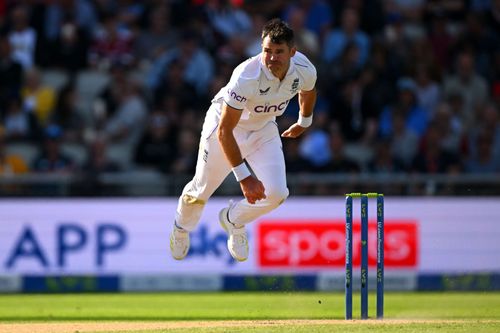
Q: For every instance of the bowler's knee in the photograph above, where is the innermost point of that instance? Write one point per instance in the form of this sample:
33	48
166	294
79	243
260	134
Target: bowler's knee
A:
277	196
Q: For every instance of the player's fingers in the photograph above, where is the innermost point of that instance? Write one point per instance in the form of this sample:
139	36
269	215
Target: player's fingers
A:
253	196
249	198
262	191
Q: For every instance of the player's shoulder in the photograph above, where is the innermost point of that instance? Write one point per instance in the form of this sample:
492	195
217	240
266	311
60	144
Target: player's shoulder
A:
303	64
248	69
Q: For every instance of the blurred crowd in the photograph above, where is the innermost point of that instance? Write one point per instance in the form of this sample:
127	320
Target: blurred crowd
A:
91	86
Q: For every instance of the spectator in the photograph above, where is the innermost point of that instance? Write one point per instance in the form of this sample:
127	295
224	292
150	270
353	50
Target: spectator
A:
383	160
20	124
70	50
305	40
111	44
358	105
66	28
467	83
10	164
372	16
337	40
126	125
339	162
68	116
110	97
488	125
173	83
384	65
295	163
130	13
233	51
484	161
428	90
254	40
11	73
22	37
157	147
38	98
83	12
315	146
409	10
404	141
173	109
227	20
415	117
376	92
451	132
476	38
160	36
52	159
398	47
318	15
432	158
440	39
346	67
185	161
197	63
456	103
98	161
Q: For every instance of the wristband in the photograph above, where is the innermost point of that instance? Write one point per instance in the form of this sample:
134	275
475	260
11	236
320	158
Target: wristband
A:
304	121
241	172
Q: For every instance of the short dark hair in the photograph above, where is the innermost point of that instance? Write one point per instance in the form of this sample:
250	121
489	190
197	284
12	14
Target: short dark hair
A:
278	31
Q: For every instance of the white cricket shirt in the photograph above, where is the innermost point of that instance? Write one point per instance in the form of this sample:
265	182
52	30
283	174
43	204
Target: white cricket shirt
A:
259	94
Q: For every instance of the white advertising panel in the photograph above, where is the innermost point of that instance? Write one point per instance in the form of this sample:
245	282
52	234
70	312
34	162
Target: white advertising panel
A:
304	235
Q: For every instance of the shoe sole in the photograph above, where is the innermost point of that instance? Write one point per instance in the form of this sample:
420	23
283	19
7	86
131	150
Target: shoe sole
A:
223	225
172	250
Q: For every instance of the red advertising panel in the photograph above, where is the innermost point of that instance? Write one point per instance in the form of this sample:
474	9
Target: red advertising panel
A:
322	243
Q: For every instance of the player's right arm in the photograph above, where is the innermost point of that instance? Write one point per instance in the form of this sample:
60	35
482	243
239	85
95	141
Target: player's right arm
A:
252	188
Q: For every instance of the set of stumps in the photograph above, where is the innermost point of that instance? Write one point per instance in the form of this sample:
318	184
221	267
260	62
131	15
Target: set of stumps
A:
364	253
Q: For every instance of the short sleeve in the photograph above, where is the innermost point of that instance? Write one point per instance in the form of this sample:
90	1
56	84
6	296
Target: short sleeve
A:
237	93
309	79
306	70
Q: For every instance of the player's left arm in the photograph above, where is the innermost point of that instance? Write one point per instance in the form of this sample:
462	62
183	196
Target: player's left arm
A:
307	100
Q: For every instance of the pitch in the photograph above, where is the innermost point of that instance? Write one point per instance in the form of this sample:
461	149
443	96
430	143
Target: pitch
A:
246	312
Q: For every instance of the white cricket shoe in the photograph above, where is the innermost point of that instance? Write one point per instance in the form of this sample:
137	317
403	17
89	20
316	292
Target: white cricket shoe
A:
179	243
237	241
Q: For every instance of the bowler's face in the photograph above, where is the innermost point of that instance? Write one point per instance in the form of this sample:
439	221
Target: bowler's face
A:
276	57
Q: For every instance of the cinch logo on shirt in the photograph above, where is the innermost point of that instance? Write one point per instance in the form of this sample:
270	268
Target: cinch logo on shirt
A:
237	97
271	108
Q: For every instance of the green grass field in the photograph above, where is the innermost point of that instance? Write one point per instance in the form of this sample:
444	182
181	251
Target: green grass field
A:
246	312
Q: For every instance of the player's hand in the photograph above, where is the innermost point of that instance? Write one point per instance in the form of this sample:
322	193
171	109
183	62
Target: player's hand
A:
294	131
252	189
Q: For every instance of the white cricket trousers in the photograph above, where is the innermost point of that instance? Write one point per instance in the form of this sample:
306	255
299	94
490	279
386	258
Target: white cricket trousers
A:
261	149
